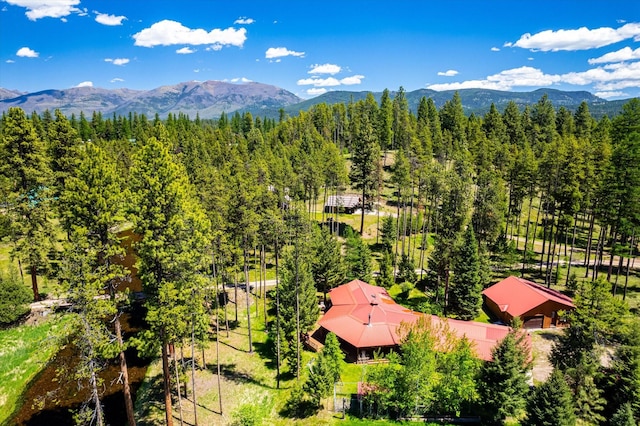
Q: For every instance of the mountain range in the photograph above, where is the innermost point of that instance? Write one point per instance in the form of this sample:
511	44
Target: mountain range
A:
209	99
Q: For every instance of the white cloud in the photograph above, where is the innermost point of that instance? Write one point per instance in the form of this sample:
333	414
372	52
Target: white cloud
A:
214	48
244	21
167	32
280	52
26	52
117	80
10	61
504	80
448	73
185	51
316	91
607	95
608	78
319	82
118	61
241	80
330	81
37	9
578	39
111	20
85	84
495	49
355	79
325	69
624	54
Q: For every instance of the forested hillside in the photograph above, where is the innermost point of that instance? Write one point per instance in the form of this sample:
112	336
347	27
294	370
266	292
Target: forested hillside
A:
449	203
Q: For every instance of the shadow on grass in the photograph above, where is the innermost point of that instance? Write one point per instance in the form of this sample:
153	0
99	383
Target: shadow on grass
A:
231	373
266	352
548	335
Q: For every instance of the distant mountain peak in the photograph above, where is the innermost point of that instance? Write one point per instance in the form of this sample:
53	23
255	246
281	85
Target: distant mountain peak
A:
208	99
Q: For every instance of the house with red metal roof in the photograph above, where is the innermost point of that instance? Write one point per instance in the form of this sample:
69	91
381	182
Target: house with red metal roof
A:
536	305
367	320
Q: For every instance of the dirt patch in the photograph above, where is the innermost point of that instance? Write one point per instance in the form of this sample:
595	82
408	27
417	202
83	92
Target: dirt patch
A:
542	342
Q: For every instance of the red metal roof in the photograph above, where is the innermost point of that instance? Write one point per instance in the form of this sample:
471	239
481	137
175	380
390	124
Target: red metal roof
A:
366	316
517	296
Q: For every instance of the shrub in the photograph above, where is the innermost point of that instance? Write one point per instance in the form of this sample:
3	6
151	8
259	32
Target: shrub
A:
14	300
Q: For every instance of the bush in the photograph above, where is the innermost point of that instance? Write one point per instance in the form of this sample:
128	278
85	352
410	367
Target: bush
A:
14	300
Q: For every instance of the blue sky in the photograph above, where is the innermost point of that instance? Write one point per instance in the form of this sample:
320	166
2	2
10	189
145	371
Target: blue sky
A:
309	48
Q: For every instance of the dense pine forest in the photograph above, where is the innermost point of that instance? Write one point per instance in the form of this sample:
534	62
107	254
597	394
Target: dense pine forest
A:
449	204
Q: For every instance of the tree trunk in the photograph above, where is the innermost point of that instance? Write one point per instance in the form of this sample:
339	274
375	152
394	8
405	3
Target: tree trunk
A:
277	318
411	223
215	276
598	255
573	242
535	226
95	395
544	238
263	273
395	253
446	291
589	243
166	376
613	244
526	238
235	288
193	373
248	293
549	250
626	278
34	283
124	371
364	189
175	368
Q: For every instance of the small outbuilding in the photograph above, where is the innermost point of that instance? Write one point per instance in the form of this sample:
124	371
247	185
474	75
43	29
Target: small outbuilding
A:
536	305
347	203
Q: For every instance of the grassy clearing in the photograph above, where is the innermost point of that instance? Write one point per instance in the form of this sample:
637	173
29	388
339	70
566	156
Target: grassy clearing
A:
248	383
24	351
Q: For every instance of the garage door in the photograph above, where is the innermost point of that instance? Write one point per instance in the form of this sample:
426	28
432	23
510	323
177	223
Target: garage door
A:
533	322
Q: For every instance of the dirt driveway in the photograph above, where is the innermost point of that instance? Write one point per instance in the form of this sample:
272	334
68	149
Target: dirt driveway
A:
542	341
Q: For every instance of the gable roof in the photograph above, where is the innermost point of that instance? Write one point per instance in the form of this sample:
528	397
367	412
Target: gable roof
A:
346	200
517	296
366	316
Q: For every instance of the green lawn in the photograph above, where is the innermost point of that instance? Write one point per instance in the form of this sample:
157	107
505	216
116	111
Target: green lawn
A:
24	351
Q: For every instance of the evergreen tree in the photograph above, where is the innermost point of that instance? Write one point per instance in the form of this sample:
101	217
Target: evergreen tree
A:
357	257
465	295
365	159
550	403
389	233
27	173
324	370
91	205
64	145
385	121
385	277
623	416
174	235
334	357
298	304
503	382
84	282
406	270
326	264
622	380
